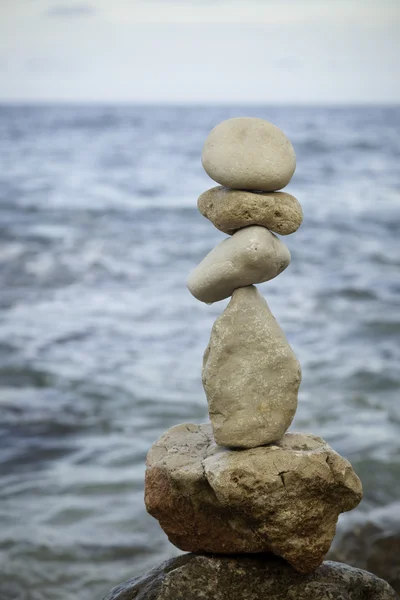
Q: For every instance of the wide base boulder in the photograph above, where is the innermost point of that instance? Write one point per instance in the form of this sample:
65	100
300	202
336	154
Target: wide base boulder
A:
192	577
284	498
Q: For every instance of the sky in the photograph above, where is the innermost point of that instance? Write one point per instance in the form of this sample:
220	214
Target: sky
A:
200	51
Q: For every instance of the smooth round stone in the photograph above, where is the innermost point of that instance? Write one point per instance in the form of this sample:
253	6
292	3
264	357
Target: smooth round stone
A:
246	153
252	255
230	210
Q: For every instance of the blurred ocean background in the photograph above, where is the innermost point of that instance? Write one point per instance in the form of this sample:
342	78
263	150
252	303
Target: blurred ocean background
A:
101	344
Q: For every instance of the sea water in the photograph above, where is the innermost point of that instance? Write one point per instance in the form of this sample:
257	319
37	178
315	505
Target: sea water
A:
101	343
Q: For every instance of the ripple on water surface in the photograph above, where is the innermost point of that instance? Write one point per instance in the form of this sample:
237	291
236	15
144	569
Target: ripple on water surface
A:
101	344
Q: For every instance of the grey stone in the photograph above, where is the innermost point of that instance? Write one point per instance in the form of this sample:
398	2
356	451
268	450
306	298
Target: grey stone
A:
283	498
230	210
250	374
252	255
191	577
246	153
374	545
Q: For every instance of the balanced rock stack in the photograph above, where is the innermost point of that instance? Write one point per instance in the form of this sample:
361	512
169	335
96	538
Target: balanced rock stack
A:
241	485
282	492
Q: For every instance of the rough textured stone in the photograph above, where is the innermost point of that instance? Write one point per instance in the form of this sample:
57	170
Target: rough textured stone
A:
191	577
230	210
374	545
249	154
284	498
250	374
251	255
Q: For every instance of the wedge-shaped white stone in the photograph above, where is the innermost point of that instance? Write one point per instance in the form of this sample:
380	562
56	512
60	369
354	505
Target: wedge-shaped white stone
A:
250	374
251	255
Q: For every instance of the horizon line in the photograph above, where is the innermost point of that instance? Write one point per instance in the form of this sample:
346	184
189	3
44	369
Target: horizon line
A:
202	104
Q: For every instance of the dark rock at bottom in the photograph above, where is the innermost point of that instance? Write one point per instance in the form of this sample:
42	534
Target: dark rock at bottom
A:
374	547
260	577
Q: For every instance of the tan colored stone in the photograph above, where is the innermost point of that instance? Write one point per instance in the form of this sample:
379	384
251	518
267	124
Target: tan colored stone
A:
230	210
283	498
246	153
252	255
250	374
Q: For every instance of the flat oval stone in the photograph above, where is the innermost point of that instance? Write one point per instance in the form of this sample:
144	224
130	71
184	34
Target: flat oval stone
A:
230	210
252	255
249	154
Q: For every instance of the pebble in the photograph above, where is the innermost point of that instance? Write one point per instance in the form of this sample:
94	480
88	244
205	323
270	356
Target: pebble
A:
251	255
249	154
230	210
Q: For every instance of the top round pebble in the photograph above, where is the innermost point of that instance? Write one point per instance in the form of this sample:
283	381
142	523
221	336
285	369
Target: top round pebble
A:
246	153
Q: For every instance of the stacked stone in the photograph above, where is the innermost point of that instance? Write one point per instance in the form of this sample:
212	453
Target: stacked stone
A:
242	484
